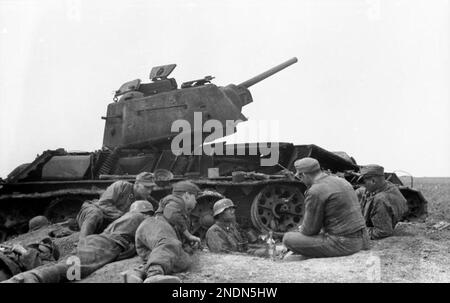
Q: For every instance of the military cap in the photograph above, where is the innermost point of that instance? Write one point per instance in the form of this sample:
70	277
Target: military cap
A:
146	178
37	222
307	165
141	206
186	186
221	205
371	170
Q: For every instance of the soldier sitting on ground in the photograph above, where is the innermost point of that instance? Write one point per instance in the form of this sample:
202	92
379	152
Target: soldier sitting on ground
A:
95	251
159	240
224	235
332	224
382	203
94	216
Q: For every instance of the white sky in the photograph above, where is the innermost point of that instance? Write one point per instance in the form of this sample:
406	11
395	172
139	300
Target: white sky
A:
372	77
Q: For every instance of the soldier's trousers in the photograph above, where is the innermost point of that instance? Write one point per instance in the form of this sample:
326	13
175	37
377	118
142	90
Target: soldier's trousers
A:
91	220
158	245
325	245
94	252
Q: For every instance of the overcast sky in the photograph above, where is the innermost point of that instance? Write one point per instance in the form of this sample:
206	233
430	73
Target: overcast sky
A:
372	77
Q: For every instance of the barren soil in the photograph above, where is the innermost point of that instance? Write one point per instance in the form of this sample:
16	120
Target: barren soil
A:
416	253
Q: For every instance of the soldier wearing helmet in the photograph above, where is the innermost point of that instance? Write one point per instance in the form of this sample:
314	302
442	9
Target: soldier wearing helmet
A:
94	216
142	206
159	240
224	235
115	243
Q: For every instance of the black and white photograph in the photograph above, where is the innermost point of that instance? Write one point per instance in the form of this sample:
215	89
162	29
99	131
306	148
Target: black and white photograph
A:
247	144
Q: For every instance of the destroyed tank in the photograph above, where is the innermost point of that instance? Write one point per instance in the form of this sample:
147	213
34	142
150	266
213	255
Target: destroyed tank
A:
139	135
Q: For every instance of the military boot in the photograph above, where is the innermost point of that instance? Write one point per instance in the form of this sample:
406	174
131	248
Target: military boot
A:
291	256
135	275
25	277
162	279
155	274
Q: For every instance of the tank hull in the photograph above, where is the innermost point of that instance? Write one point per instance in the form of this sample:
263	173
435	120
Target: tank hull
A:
50	186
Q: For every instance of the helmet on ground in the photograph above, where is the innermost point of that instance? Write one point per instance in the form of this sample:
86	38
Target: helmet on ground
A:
37	223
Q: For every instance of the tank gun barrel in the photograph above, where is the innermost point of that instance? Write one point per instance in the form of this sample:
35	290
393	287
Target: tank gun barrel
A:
268	73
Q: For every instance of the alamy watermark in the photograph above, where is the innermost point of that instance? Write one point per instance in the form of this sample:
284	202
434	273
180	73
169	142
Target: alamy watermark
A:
182	143
74	270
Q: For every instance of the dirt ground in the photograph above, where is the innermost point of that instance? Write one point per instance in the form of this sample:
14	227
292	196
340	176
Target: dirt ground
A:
416	253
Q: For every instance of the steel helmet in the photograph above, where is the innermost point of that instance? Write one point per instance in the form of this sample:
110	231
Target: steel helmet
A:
221	205
37	223
141	206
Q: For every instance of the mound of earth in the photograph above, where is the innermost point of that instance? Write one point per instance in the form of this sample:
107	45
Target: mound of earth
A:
415	254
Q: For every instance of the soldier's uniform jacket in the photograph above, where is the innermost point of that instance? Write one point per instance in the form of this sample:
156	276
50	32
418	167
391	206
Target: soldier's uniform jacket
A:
173	209
123	230
382	209
116	200
224	237
331	204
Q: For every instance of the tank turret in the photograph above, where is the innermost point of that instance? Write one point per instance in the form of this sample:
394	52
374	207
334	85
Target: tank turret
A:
144	114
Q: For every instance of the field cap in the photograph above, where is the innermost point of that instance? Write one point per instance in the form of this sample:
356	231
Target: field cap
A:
371	170
186	186
306	165
146	178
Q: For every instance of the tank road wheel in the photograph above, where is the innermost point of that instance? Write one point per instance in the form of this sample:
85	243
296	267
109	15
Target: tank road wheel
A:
278	208
202	215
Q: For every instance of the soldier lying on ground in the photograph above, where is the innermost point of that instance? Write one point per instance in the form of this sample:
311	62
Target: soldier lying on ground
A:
95	215
95	251
331	205
159	240
382	203
15	259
